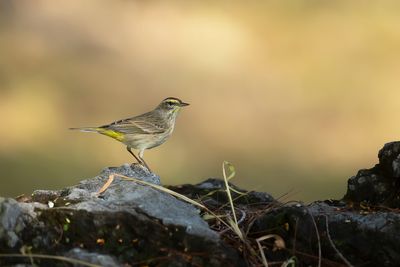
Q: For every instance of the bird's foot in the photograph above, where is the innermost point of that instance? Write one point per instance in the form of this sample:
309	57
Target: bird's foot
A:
142	166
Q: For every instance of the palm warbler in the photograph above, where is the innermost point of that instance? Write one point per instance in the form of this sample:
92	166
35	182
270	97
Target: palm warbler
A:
145	131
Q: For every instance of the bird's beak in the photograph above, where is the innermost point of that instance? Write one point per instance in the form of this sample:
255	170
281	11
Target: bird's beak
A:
183	104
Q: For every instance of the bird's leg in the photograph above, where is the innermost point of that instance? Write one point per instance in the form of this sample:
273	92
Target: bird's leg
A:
133	154
139	158
140	155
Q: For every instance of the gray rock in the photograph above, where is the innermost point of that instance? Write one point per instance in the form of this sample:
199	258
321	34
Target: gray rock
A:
92	257
11	222
129	222
128	196
363	238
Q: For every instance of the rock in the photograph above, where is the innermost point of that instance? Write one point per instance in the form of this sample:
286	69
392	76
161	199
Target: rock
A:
389	159
214	190
131	224
94	258
127	223
11	222
363	238
379	185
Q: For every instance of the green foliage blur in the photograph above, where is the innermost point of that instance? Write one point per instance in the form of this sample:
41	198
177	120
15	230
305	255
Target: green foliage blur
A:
298	95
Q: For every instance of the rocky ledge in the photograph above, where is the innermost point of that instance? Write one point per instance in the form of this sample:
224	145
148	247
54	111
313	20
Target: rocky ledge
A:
131	224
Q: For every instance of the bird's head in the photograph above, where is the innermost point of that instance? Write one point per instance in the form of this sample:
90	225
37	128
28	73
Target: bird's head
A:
171	105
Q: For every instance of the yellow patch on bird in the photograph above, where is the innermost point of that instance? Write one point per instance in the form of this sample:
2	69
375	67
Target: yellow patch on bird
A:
113	134
171	100
176	109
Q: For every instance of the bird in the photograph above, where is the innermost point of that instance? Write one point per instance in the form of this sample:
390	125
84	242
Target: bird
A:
144	131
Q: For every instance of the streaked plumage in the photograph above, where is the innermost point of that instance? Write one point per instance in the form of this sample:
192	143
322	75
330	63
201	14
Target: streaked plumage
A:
145	131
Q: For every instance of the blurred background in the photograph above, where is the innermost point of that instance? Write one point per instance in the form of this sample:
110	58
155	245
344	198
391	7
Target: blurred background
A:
298	95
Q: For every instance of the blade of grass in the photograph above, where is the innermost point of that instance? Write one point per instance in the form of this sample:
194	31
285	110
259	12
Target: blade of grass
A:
290	262
238	192
231	169
234	224
260	248
228	192
236	229
278	244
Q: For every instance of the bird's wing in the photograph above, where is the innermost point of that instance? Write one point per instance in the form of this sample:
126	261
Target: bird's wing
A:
136	125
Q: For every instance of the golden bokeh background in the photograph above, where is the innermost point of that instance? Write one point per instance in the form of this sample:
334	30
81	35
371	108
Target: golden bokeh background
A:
298	95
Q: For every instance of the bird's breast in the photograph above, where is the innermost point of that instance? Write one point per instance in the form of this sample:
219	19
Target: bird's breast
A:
147	141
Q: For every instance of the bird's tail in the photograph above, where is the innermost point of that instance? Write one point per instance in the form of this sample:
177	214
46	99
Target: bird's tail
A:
87	129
